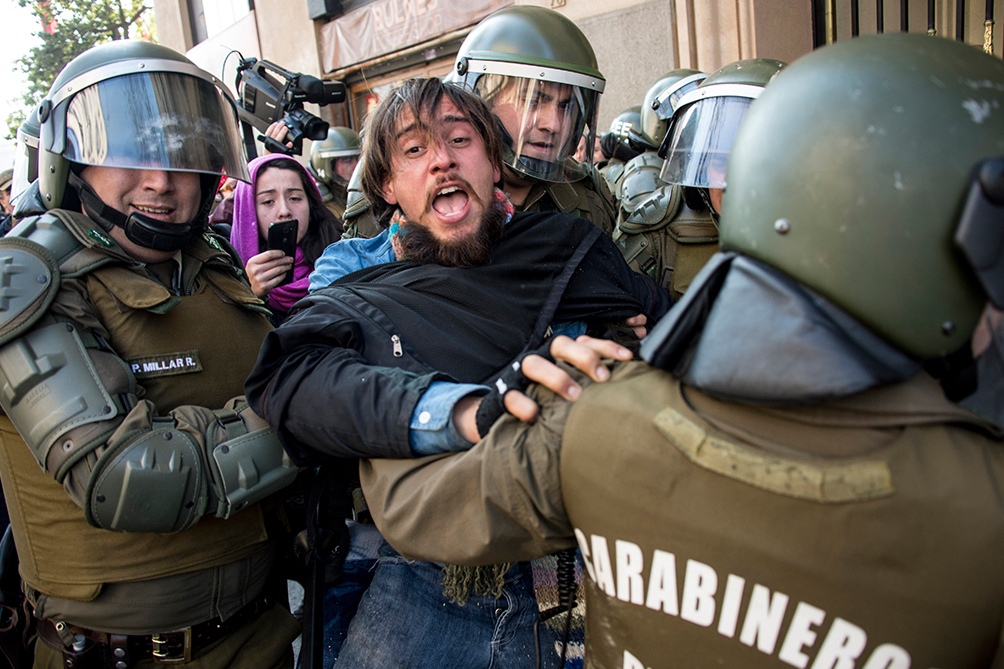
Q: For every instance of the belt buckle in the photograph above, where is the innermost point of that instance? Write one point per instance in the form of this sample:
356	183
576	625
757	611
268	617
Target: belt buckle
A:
172	647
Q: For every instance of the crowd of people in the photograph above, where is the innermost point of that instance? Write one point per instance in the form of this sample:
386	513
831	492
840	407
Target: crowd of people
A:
724	391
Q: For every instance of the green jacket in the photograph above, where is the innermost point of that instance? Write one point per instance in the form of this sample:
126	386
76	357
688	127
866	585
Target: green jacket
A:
863	532
165	357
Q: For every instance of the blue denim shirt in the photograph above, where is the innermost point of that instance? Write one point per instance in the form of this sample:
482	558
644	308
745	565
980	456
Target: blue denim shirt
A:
431	427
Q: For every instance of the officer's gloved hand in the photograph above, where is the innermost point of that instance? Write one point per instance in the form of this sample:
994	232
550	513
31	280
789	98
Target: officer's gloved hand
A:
510	378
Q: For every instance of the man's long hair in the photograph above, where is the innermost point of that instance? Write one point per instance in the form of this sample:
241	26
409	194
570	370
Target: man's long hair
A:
420	95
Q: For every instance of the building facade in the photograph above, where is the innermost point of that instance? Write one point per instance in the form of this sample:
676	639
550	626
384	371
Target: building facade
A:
370	45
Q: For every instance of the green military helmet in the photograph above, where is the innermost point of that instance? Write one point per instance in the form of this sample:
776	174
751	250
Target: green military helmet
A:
341	142
356	203
25	155
659	102
871	171
538	72
187	119
625	122
697	144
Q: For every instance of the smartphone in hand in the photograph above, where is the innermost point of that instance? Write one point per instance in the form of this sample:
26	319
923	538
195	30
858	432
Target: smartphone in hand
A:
282	236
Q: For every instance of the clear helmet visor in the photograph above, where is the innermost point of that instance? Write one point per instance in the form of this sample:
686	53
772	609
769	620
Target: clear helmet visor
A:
543	122
25	164
666	103
699	140
155	120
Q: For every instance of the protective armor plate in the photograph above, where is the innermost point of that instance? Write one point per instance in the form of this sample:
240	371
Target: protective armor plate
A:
251	467
641	177
29	279
48	386
154	484
654	212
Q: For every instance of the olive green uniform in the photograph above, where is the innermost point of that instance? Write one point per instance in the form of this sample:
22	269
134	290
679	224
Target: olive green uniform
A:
165	344
657	231
865	532
588	197
334	197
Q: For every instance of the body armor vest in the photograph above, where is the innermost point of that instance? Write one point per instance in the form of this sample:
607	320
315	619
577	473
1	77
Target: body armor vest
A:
863	532
60	554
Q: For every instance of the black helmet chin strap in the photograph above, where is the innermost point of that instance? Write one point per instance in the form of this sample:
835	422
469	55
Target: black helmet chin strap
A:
139	229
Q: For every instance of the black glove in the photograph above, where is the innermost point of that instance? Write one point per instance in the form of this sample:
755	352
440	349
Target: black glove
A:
510	378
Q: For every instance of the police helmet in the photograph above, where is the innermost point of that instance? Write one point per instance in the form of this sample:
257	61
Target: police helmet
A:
135	105
341	142
704	124
538	72
659	102
25	155
872	172
356	203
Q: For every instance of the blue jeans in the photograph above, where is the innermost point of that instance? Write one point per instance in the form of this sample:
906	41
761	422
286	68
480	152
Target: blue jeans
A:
404	620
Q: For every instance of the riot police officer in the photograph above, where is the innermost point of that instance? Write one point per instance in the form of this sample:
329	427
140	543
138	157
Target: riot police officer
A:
125	343
645	203
538	72
672	233
332	161
784	484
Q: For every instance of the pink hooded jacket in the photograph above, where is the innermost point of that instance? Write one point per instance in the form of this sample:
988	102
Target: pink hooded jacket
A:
248	241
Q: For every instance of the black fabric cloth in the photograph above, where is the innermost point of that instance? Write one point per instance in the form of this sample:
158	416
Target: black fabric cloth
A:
343	373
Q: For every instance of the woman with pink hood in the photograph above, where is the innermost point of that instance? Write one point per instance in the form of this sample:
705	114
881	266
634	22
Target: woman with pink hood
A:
280	190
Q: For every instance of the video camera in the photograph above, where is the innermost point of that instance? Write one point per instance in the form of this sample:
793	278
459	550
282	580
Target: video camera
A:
268	93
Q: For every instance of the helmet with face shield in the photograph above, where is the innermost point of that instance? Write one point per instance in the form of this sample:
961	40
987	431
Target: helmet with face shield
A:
538	73
340	143
25	156
704	123
660	100
872	172
135	105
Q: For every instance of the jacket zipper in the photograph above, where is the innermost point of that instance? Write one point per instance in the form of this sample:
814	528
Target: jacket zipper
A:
396	343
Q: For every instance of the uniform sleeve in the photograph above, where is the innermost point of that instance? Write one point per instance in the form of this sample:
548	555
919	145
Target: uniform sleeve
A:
498	502
130	465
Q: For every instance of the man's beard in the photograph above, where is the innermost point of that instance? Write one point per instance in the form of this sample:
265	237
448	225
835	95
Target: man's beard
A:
420	246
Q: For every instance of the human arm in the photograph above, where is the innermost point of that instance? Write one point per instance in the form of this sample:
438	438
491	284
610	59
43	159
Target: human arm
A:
498	502
130	466
266	270
325	397
501	500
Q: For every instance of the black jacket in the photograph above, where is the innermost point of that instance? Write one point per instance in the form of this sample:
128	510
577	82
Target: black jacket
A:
342	375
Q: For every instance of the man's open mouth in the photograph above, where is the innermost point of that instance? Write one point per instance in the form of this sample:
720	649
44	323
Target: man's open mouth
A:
450	200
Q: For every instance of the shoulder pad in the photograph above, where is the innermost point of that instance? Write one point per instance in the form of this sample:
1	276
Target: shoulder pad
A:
612	174
641	178
654	211
50	232
78	246
29	276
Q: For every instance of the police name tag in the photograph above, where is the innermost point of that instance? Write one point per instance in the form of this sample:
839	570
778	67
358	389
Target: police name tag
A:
166	364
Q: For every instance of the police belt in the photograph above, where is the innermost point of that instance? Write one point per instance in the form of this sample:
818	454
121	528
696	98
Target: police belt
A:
93	648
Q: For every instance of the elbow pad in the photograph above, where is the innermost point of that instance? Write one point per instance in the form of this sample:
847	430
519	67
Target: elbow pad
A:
166	480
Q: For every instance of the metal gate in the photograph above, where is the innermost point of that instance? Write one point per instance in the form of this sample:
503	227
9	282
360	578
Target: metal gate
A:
971	22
